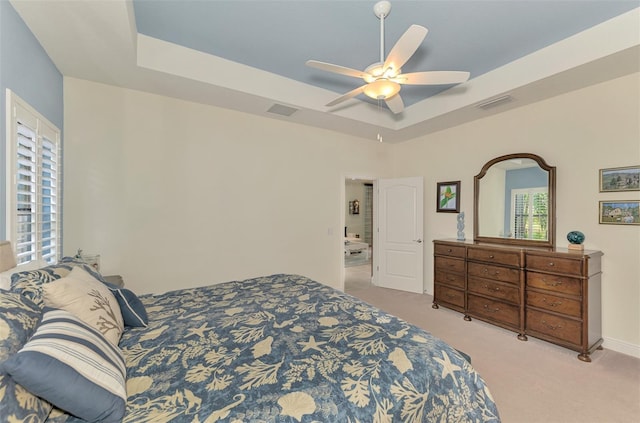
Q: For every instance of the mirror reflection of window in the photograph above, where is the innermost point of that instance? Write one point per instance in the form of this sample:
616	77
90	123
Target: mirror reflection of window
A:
526	194
529	213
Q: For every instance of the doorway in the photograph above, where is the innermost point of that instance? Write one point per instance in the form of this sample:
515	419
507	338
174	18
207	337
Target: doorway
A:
358	233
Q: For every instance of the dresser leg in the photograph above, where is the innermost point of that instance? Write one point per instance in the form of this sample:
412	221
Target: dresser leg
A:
522	337
584	357
467	318
434	305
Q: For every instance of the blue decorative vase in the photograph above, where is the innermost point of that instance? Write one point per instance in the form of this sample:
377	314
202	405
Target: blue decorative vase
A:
575	237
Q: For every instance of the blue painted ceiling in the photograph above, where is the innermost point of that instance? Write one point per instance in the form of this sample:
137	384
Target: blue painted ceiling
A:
280	36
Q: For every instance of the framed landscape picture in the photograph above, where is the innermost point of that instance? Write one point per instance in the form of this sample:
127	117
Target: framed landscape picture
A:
448	199
620	212
620	179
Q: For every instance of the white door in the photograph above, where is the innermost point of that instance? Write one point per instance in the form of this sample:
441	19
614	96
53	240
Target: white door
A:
400	220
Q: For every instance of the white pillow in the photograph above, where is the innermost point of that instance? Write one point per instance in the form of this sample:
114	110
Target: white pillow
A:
90	300
5	277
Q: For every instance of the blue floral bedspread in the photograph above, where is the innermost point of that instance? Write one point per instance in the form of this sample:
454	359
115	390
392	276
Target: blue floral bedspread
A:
284	348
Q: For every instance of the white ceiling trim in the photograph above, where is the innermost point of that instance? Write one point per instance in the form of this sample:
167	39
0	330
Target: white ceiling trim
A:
610	37
173	59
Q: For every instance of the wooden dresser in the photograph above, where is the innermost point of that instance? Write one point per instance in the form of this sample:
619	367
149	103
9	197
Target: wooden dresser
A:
549	294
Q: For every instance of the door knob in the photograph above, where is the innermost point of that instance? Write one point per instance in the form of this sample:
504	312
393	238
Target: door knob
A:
419	241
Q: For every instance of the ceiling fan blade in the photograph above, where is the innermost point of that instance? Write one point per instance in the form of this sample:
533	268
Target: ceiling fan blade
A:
347	96
395	104
405	47
336	69
432	78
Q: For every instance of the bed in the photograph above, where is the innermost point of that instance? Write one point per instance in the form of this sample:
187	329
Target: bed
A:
279	348
354	246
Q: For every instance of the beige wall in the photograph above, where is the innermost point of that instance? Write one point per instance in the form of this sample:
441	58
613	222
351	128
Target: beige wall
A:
175	194
579	133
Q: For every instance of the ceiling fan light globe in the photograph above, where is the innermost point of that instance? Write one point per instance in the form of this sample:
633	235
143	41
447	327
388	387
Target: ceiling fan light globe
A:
381	89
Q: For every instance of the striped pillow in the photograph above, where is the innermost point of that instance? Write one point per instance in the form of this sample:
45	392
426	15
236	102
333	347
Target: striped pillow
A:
74	367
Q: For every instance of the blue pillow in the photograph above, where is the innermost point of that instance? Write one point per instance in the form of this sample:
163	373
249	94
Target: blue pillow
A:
133	312
71	365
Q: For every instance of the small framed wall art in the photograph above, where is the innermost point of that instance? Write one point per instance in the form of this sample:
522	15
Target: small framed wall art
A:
620	179
620	212
448	197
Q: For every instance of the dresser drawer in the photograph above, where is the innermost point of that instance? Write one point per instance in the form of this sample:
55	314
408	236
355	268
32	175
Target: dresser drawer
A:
507	258
452	279
448	295
446	264
487	271
495	289
493	310
449	250
565	266
555	283
554	303
562	328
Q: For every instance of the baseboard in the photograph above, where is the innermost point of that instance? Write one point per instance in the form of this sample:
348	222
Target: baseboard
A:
622	347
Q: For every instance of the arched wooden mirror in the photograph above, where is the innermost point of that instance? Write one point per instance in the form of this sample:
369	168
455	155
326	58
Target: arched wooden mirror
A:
515	201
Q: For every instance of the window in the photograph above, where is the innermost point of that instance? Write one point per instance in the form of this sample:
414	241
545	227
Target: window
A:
529	212
33	179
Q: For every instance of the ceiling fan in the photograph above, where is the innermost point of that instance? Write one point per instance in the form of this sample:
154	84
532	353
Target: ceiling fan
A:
384	78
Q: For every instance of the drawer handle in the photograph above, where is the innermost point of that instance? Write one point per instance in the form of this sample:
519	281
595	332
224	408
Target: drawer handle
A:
552	283
552	327
450	296
494	310
486	271
449	250
451	278
492	289
491	256
552	303
551	264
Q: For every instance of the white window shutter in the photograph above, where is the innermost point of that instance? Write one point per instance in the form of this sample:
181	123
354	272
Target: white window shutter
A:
33	214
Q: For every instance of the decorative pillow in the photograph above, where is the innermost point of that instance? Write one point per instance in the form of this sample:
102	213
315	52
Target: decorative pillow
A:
133	312
18	319
5	277
89	299
89	382
29	283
